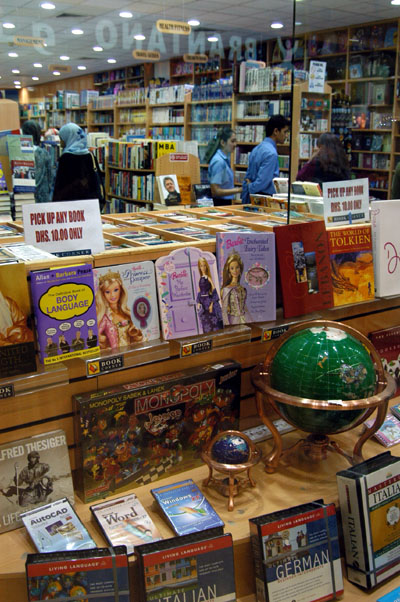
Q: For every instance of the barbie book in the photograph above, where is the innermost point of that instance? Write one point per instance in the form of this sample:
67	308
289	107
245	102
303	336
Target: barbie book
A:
126	304
246	267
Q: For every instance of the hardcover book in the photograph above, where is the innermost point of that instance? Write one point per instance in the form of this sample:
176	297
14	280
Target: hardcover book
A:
369	497
389	432
168	189
387	342
246	268
98	574
385	216
56	527
296	554
352	266
65	312
186	508
124	521
192	567
134	434
304	268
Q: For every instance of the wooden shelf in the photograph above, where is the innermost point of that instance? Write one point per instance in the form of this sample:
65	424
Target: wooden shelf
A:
214	101
112	166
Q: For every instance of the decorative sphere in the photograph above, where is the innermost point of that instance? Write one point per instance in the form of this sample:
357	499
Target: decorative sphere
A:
230	449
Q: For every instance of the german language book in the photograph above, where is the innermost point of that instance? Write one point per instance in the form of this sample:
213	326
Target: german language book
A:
124	521
352	266
389	432
34	471
192	567
369	497
296	554
186	508
133	434
246	268
126	291
98	574
387	342
65	312
385	216
56	527
17	347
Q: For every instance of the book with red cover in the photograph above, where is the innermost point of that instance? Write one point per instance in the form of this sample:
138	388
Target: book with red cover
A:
387	342
304	268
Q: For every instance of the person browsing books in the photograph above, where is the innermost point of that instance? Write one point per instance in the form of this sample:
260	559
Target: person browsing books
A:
220	173
329	162
263	160
43	169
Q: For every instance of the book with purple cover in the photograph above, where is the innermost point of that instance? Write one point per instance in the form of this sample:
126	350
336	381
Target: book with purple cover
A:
389	433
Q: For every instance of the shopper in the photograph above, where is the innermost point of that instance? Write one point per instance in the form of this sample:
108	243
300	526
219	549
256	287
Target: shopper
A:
329	162
43	169
263	160
220	173
78	174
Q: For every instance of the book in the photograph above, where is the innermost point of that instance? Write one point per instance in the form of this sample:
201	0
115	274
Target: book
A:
352	266
56	527
203	196
387	342
192	567
307	188
396	410
186	508
21	156
281	184
304	268
100	573
246	269
168	189
27	253
124	521
296	554
185	189
393	596
65	312
137	433
131	289
17	347
386	247
369	497
389	432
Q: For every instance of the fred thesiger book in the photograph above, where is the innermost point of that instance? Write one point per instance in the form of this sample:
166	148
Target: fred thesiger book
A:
296	554
98	574
369	497
192	568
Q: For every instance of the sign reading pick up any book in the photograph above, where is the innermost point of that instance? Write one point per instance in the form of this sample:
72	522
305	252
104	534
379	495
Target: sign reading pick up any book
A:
65	228
346	202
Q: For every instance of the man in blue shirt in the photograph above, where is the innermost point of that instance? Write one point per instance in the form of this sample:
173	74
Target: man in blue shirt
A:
263	160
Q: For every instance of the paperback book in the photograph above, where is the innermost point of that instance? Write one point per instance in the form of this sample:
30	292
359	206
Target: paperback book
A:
389	432
186	508
387	342
385	216
124	521
369	497
396	410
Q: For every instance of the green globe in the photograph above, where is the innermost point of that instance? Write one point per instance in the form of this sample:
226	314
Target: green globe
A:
324	363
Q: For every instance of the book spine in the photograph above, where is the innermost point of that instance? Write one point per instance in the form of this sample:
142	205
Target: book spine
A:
258	563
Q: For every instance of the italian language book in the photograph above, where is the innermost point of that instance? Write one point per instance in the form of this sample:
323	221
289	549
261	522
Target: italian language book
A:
352	266
387	342
17	347
34	470
246	268
124	521
137	433
97	574
369	497
65	312
385	216
304	268
56	527
389	432
296	554
186	508
192	567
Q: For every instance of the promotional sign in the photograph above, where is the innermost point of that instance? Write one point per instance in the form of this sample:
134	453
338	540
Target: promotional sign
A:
61	68
179	27
64	228
316	80
28	41
346	202
195	58
146	55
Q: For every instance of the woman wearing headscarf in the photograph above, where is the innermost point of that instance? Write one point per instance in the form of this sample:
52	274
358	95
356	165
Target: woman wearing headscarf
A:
78	173
43	169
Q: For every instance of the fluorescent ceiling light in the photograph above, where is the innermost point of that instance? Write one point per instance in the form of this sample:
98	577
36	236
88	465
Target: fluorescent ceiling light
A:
15	71
125	14
97	49
18	87
213	39
77	32
13	55
298	23
139	36
35	78
8	25
395	2
276	25
64	57
56	73
48	5
17	82
193	22
111	61
81	67
38	65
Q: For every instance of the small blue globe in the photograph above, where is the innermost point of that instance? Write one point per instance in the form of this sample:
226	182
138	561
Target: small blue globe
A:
230	449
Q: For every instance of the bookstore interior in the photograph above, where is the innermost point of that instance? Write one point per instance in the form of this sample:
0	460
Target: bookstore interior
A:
200	301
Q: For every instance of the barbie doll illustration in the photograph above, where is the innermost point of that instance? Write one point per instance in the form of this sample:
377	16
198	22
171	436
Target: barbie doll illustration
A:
233	294
116	328
208	306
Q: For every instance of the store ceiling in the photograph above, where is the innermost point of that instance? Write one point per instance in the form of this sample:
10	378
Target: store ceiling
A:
102	26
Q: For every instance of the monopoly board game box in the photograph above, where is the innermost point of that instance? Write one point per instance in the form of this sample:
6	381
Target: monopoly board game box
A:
140	432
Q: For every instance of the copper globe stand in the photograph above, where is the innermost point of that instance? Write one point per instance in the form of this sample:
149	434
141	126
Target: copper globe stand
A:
317	445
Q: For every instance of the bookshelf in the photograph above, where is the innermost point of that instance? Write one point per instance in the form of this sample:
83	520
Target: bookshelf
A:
101	115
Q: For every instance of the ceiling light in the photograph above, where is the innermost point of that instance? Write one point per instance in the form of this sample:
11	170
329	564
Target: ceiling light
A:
276	25
48	5
139	36
13	55
18	87
81	67
64	57
97	49
35	78
395	2
77	32
213	39
8	25
15	71
17	82
38	65
125	14
300	23
193	22
56	73
111	61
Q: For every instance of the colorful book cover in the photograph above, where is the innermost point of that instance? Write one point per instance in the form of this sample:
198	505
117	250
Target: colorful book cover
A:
186	508
188	292
168	189
352	266
137	433
126	304
185	189
387	342
17	348
3	183
389	432
124	521
65	312
385	216
35	471
56	527
23	175
304	268
396	410
296	554
246	267
98	574
369	498
192	567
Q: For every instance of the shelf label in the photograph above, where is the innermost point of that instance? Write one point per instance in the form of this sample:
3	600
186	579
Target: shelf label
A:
178	157
195	58
60	68
179	27
100	366
274	333
146	55
28	41
6	391
195	348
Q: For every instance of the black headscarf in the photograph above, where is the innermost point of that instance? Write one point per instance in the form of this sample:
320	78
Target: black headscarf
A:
32	128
